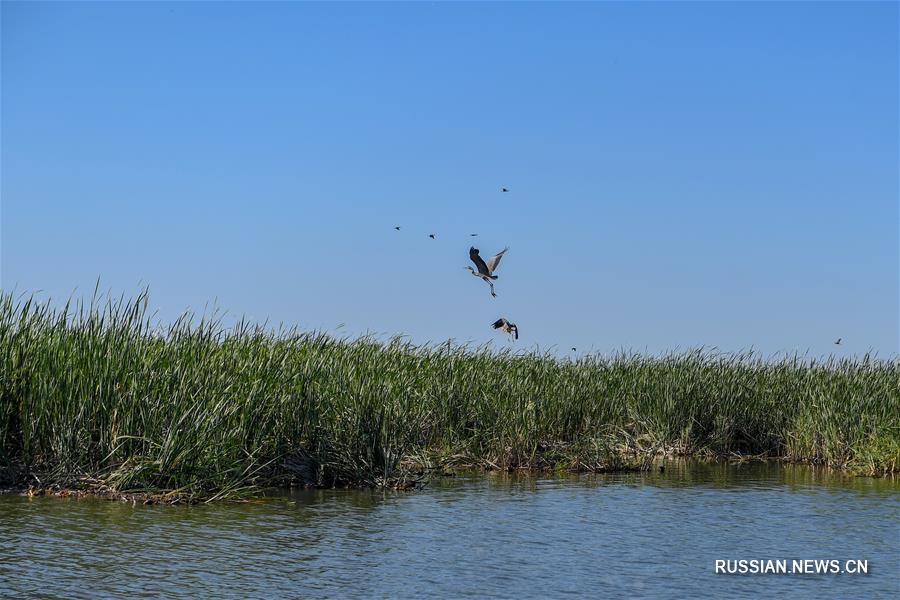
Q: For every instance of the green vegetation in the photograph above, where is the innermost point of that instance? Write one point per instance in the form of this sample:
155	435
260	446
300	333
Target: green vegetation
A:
99	394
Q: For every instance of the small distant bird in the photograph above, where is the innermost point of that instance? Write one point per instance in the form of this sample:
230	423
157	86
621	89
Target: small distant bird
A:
504	190
506	327
573	349
397	228
431	235
473	234
485	270
838	342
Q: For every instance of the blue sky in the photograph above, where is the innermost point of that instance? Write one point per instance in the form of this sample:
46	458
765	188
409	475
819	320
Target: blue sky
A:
681	174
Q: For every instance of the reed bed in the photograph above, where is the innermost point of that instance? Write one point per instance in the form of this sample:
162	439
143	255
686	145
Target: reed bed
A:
99	393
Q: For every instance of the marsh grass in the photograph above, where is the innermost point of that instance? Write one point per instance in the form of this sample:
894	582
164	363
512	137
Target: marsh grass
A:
195	410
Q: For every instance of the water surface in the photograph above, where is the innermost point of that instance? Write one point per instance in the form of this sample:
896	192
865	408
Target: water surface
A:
638	535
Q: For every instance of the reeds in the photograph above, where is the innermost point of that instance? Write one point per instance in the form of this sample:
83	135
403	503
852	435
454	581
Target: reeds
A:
198	410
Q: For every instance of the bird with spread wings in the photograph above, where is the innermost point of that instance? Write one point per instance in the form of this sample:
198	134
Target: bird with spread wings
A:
485	269
507	327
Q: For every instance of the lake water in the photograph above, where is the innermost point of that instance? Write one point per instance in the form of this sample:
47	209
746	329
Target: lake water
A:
635	535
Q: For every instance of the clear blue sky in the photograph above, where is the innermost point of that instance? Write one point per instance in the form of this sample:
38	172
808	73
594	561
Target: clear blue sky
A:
680	174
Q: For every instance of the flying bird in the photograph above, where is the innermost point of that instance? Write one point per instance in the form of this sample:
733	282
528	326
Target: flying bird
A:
504	190
506	327
838	342
431	235
397	228
573	349
473	234
485	270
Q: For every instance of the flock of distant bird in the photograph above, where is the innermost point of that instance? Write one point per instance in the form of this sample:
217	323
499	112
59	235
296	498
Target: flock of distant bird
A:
485	272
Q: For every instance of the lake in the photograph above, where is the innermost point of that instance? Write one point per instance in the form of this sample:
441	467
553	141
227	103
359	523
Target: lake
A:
652	535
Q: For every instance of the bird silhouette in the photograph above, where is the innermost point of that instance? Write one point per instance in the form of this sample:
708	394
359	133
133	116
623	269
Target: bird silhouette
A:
838	342
397	228
507	327
485	269
504	190
431	235
473	234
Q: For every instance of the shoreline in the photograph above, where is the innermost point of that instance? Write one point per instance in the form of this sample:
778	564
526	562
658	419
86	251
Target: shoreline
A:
89	488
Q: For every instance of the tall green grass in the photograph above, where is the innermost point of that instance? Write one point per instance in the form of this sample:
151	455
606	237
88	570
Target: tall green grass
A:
205	411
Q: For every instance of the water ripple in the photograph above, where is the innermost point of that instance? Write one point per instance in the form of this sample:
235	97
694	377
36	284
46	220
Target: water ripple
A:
639	535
